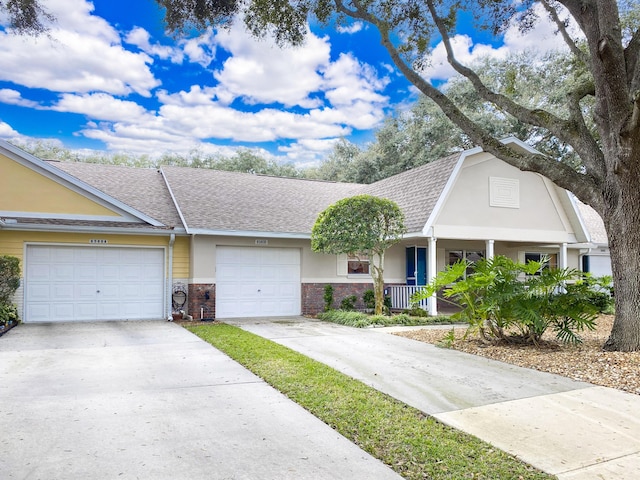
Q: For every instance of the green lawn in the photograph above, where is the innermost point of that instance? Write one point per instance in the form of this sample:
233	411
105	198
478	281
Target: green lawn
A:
413	444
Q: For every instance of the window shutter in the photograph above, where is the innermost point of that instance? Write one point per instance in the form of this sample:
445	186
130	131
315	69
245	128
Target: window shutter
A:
342	264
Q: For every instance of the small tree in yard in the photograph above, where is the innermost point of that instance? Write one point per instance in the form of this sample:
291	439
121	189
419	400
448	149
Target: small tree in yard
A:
362	224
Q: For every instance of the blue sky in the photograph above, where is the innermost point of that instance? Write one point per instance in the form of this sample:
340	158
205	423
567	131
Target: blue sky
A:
107	78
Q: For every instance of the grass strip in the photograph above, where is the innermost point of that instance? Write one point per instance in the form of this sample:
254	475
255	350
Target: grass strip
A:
416	446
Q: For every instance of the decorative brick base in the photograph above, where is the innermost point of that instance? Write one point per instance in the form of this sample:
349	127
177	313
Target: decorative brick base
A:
313	295
199	306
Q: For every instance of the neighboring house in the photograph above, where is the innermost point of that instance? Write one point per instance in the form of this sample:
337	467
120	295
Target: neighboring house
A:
110	242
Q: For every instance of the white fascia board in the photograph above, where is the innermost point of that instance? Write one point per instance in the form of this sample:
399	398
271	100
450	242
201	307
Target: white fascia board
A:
578	215
175	202
420	234
89	229
34	163
427	229
64	216
520	143
243	233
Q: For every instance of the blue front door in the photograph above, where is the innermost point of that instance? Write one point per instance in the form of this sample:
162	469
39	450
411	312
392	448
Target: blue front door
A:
416	265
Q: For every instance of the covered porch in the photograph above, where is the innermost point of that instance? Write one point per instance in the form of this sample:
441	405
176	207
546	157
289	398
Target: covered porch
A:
425	257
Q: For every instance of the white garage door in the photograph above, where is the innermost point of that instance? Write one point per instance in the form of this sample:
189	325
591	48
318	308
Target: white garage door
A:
74	283
599	265
257	282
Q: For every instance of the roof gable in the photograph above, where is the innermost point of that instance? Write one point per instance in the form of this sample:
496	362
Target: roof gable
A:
33	189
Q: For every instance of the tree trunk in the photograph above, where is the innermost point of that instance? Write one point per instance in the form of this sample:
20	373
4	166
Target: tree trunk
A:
623	227
377	269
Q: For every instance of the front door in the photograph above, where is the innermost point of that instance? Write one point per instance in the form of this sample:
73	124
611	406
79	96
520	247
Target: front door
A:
416	265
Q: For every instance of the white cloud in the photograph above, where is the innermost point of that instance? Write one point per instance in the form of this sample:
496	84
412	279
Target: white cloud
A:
100	106
13	97
307	152
202	49
258	71
82	53
7	132
351	29
541	39
141	39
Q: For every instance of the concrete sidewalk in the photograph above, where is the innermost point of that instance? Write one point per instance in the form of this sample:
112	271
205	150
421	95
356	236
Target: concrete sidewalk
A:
570	429
150	400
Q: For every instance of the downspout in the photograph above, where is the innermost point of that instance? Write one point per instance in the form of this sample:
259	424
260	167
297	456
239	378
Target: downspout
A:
172	240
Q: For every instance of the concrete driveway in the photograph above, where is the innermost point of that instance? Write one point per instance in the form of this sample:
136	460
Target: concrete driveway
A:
570	429
149	400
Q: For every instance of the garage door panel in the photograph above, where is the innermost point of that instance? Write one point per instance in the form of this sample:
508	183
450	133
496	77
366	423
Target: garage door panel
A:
62	273
81	255
110	273
39	313
81	273
65	311
69	283
255	281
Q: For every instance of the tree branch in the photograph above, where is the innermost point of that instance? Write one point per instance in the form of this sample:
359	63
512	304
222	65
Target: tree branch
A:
562	175
562	28
573	132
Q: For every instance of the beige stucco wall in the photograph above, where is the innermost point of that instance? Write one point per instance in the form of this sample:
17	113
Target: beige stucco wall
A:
467	214
315	267
23	190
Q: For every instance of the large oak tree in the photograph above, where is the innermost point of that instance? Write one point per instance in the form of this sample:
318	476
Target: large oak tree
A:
606	76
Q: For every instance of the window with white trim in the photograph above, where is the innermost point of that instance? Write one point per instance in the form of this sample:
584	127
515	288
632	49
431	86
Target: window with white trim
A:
358	264
469	255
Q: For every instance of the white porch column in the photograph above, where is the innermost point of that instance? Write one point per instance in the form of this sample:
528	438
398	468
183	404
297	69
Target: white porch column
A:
489	249
562	258
431	273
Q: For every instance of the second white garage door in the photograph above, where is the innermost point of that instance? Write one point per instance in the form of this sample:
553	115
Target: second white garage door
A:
257	282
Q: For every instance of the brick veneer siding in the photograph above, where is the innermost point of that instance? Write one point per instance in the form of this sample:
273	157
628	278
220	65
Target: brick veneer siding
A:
313	295
197	300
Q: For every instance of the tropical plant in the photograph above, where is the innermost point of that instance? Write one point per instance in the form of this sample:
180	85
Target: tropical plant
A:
504	300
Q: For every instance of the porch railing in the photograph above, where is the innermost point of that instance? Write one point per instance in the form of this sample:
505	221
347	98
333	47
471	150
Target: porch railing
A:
401	296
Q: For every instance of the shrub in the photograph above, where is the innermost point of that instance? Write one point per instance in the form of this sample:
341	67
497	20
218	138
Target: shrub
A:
369	299
416	311
362	320
328	297
348	303
351	319
9	277
8	313
514	302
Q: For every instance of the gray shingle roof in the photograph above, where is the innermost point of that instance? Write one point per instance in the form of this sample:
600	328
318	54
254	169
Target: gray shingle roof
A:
213	200
231	201
141	188
594	223
416	191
